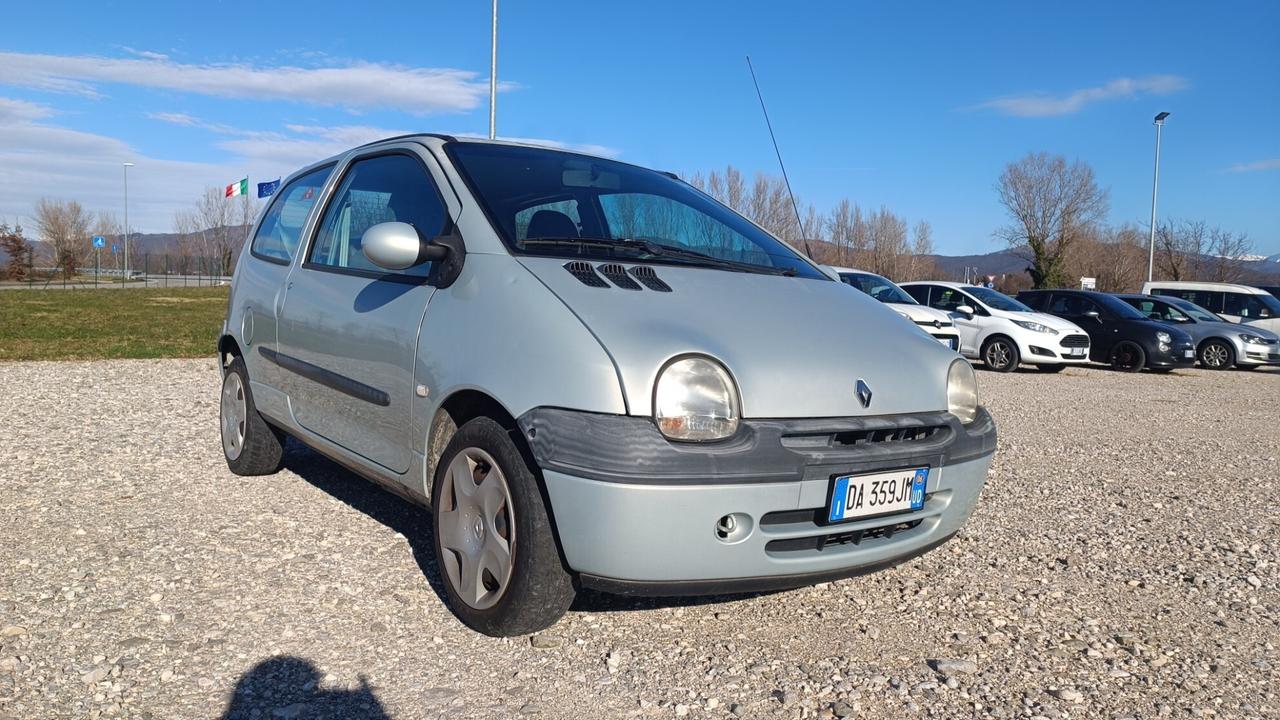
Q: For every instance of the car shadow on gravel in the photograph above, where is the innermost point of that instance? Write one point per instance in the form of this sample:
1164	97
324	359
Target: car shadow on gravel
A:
289	687
402	516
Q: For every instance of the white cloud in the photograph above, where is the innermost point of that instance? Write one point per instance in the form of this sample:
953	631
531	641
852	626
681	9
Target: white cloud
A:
12	111
358	86
1257	166
40	159
1046	105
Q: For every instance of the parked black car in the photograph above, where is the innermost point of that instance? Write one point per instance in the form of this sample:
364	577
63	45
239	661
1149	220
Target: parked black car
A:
1120	336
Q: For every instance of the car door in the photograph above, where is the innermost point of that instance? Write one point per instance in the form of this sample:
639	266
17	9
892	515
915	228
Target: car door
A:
1077	309
262	276
348	331
969	327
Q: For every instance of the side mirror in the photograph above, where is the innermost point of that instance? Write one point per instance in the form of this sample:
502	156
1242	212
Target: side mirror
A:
1092	314
965	310
397	246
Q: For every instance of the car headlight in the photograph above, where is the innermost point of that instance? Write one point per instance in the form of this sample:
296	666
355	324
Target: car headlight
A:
962	391
695	399
1164	337
1253	339
1035	327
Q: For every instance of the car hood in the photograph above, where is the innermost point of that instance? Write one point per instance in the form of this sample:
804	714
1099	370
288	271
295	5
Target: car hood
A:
1177	334
797	347
922	314
1062	325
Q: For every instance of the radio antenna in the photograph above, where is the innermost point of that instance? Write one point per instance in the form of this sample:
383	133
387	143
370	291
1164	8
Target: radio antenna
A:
785	179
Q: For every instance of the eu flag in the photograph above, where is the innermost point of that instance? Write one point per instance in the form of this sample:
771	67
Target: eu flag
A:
268	188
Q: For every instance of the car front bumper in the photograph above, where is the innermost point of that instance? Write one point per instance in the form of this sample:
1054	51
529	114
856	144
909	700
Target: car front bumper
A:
1175	357
634	517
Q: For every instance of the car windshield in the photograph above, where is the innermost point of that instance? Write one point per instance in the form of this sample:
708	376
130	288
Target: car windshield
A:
996	300
879	288
551	202
1195	311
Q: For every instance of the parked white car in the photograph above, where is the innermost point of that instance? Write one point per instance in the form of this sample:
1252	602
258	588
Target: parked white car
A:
1237	303
1001	331
935	322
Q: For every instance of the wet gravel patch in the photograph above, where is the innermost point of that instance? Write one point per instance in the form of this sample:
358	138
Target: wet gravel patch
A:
1122	563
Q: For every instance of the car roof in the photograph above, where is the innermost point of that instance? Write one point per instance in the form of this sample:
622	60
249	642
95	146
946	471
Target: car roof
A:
840	269
943	283
1206	286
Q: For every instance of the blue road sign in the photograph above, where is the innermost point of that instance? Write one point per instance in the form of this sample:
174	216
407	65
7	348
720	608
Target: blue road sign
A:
99	242
115	249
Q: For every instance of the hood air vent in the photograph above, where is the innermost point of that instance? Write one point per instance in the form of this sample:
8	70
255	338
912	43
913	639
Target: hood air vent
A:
649	278
585	274
618	276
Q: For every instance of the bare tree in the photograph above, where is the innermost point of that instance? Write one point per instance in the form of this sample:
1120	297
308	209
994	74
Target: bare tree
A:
216	215
920	264
887	243
1226	250
15	245
1192	250
64	225
1052	204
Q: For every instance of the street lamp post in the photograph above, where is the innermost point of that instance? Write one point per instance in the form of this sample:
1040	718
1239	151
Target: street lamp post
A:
493	74
1155	192
126	221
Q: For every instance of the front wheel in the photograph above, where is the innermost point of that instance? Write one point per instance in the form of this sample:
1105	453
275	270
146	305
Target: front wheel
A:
1128	357
1217	355
494	543
1001	355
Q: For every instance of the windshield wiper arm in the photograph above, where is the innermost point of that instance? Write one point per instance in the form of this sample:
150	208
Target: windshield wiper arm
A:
655	249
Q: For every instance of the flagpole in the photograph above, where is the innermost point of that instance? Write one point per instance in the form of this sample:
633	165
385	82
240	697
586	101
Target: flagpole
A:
493	75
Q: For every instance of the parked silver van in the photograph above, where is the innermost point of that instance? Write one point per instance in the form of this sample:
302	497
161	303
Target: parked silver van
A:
593	375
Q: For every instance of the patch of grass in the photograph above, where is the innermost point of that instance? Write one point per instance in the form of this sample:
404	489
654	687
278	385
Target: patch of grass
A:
110	323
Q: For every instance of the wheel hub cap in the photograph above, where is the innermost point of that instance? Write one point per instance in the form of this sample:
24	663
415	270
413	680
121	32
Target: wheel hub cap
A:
234	411
477	528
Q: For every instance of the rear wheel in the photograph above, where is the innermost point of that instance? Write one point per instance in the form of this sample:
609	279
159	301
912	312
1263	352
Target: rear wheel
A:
249	443
1054	368
1217	355
1128	357
494	543
1000	354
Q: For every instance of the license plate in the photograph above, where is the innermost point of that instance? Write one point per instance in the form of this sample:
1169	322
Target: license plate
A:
855	496
1189	354
1076	352
949	342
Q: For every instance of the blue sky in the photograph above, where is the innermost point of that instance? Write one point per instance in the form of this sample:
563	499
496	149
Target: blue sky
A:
915	106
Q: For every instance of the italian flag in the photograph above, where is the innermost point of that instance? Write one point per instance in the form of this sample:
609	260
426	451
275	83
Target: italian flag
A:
239	187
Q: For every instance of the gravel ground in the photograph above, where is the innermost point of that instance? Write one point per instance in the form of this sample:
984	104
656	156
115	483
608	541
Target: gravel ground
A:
1122	563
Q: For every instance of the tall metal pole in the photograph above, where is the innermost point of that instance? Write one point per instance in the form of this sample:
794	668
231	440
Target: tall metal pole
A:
1155	193
126	221
493	75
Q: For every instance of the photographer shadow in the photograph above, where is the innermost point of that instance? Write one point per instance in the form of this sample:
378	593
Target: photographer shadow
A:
288	687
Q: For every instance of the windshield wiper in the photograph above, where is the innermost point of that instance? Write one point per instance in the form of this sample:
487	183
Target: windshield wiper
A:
653	249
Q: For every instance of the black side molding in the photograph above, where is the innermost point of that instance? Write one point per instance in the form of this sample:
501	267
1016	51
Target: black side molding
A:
328	378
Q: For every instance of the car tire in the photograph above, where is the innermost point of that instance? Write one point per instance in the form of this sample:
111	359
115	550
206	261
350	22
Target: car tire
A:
1054	368
250	444
1000	354
494	542
1217	355
1128	357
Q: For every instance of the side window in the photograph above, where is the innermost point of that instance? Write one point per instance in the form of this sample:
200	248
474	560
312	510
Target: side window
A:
1248	307
558	219
947	299
919	292
281	227
1071	305
387	188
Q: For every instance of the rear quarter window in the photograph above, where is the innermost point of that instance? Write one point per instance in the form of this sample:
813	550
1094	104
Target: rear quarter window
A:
280	231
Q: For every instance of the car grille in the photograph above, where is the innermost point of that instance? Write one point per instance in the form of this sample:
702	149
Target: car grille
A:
818	543
805	532
1075	341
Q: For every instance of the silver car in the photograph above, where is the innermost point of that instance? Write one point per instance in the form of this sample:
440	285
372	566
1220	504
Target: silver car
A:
1220	343
593	375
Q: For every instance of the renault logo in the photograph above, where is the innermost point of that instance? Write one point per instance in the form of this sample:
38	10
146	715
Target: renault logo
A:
863	391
